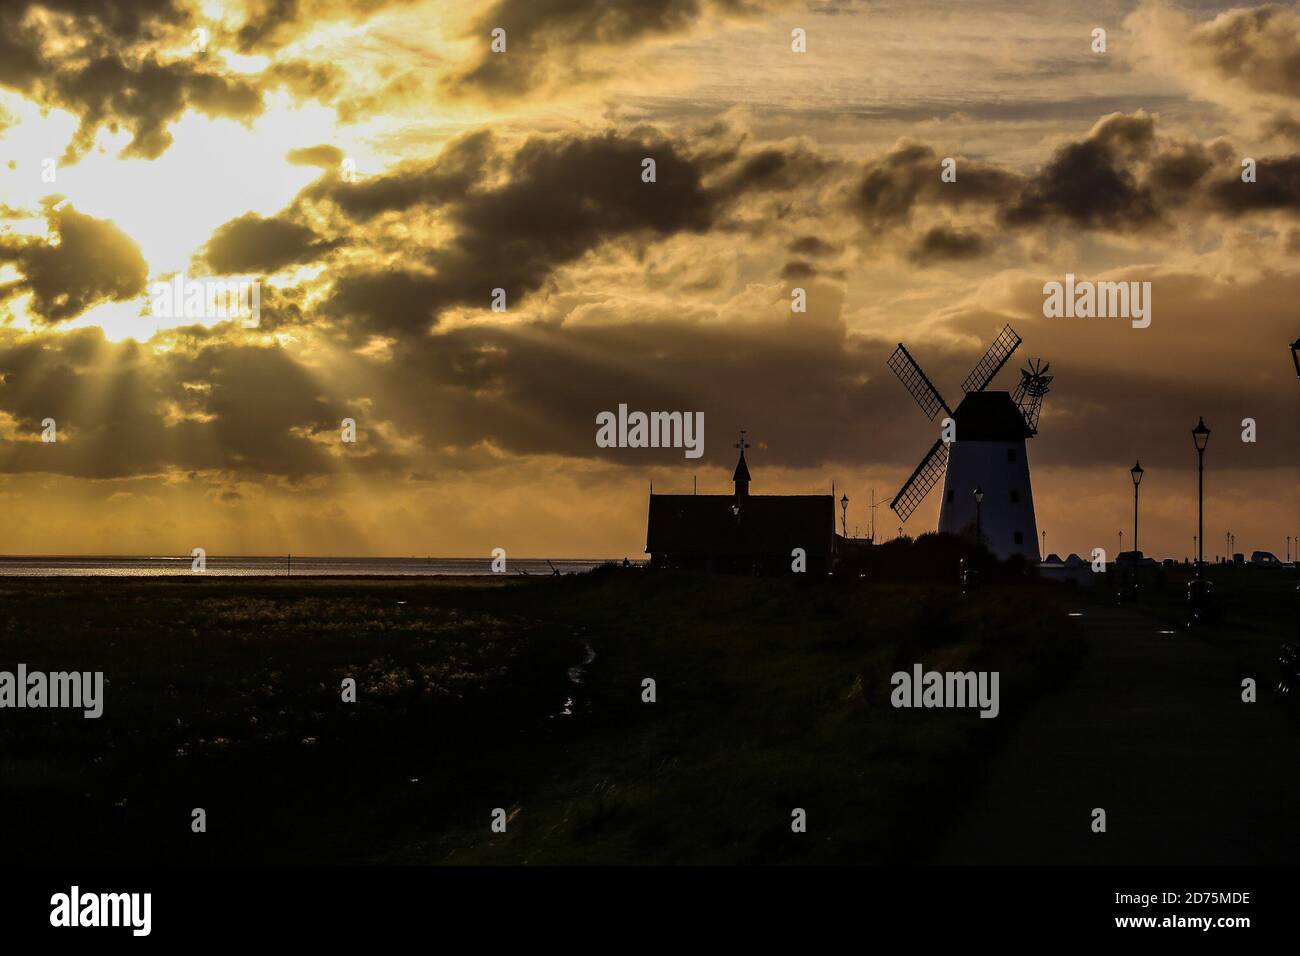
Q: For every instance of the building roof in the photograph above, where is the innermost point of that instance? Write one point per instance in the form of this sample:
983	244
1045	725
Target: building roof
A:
990	416
766	524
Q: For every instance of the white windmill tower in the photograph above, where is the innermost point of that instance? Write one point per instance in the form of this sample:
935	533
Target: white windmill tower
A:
987	451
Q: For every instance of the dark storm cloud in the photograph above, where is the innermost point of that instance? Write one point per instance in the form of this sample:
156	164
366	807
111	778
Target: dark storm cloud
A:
1119	177
1179	170
1090	183
545	41
559	199
146	98
323	156
798	269
909	174
105	24
943	244
1258	47
91	262
508	218
773	169
812	246
391	301
460	166
1277	186
253	244
112	77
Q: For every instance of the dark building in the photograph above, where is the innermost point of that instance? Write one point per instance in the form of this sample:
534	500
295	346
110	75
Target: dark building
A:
740	533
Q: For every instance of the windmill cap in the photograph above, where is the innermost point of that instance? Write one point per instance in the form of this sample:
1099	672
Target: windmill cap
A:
990	416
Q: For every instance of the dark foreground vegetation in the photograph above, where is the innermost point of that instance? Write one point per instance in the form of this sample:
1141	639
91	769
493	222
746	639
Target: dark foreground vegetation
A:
519	693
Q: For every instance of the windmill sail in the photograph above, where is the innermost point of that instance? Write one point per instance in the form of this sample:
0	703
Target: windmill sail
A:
996	357
915	381
1034	384
926	476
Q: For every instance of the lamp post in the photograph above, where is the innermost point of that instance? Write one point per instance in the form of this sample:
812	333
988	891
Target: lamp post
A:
1136	473
1044	554
1200	435
844	514
979	498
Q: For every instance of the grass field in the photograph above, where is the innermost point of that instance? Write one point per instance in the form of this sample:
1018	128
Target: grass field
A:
524	694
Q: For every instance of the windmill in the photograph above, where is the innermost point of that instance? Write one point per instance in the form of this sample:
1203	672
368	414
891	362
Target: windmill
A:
987	450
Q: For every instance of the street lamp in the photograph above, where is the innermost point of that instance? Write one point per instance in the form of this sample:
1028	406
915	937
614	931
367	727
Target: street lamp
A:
979	497
844	514
1200	435
1136	473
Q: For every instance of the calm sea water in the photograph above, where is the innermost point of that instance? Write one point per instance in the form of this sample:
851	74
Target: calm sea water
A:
278	566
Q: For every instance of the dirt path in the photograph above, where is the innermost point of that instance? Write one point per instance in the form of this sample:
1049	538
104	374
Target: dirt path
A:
1153	730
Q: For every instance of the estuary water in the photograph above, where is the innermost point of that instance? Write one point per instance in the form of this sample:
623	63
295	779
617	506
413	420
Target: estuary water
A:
279	566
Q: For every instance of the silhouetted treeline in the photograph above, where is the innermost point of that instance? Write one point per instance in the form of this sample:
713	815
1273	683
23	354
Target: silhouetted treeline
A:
932	558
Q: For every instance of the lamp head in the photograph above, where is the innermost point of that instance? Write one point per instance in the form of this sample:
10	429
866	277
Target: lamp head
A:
979	494
1136	472
1201	435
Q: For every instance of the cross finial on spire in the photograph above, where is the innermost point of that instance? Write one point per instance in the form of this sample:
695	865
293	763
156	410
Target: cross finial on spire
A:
742	444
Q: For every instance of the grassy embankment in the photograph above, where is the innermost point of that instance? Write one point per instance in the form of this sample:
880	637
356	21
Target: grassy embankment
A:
772	694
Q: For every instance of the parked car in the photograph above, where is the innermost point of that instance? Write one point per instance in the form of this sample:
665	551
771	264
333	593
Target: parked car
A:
1265	559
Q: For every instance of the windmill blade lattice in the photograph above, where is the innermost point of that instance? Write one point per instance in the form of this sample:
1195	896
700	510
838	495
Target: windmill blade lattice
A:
917	383
996	357
925	477
1034	384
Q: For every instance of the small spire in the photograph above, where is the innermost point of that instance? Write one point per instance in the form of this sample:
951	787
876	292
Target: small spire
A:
741	476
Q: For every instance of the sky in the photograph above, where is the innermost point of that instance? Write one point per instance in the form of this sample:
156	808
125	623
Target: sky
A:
380	171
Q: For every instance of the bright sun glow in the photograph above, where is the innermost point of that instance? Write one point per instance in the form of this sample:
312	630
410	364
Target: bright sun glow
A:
215	171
